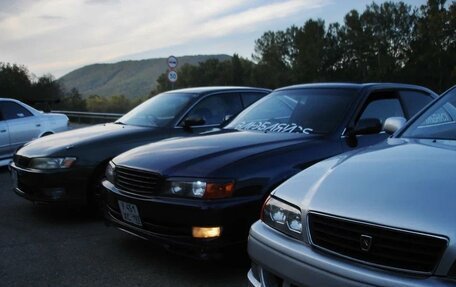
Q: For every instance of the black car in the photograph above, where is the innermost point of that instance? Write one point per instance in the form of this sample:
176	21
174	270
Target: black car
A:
201	194
68	167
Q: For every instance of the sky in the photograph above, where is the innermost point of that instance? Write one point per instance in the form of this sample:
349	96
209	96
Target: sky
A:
58	36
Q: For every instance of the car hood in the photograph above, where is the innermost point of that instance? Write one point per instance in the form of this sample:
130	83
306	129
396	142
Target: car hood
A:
74	139
407	184
207	154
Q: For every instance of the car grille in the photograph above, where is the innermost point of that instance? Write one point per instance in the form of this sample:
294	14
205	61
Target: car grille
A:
389	248
137	181
21	161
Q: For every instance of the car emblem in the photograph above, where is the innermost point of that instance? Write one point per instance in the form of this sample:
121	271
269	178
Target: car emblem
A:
365	242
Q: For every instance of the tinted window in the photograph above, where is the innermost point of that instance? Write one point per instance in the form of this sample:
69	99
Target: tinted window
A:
215	108
250	98
382	109
438	122
297	111
158	111
414	101
13	110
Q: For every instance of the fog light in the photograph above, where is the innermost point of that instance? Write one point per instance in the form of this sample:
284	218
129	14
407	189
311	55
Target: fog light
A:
206	232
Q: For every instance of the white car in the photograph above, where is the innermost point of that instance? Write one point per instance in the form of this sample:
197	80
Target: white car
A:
20	123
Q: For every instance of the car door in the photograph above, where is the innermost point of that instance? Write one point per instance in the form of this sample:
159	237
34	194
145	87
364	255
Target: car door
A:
413	101
249	98
384	104
380	105
5	147
23	126
214	109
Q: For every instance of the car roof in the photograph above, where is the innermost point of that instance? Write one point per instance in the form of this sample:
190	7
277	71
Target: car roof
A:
200	90
357	86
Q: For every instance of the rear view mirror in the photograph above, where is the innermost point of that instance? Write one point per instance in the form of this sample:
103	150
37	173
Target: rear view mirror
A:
393	124
368	126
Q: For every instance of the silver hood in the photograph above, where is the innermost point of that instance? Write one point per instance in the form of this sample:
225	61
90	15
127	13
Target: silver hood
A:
407	184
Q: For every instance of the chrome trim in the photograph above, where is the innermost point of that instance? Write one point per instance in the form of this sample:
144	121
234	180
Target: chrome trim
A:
252	280
379	226
203	126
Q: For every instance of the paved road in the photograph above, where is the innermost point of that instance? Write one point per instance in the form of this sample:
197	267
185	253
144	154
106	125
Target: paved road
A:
48	246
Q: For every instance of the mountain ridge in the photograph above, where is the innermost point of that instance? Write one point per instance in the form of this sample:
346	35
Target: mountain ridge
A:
132	78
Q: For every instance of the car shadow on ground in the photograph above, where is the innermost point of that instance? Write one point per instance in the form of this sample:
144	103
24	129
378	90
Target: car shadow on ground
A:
142	252
64	214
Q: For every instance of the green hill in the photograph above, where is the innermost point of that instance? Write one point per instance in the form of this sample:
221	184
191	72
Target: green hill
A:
130	78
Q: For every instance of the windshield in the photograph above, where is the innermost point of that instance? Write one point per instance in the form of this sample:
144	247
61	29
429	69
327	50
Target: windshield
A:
158	111
307	111
438	122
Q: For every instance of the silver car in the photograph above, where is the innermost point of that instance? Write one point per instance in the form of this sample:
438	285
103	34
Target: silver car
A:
382	216
20	123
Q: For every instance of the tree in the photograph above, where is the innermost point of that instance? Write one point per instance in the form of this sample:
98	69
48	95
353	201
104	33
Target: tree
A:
72	101
433	53
309	44
273	54
45	92
14	81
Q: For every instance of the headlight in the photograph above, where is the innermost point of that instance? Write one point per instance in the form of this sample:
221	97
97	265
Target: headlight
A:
52	162
283	217
109	173
199	189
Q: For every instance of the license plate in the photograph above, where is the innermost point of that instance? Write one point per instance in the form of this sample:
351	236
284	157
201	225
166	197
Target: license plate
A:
14	177
130	213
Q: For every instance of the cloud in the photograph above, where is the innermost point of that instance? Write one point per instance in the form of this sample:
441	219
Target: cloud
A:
59	35
51	17
102	2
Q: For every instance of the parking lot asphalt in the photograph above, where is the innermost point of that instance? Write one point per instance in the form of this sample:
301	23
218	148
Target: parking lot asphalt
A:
59	246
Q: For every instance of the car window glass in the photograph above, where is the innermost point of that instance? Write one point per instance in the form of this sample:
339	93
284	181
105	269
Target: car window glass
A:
158	111
250	98
308	111
214	109
438	122
382	109
414	101
13	111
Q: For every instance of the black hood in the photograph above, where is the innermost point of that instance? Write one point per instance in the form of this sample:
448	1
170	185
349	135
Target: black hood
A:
67	142
202	156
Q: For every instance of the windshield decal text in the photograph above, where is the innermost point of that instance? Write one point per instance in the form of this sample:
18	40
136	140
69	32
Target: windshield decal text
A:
273	128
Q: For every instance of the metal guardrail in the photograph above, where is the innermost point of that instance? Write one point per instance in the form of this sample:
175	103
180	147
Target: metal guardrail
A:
88	117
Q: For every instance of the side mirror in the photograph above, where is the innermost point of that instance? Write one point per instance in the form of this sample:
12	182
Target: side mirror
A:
368	126
193	121
393	124
226	120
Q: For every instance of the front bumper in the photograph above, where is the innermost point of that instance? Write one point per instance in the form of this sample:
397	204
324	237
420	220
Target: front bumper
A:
169	221
53	186
278	259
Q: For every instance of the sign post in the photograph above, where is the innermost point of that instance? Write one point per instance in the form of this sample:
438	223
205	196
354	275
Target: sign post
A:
172	74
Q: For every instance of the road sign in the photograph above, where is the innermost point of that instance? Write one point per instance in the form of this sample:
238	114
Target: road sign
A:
172	76
172	62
